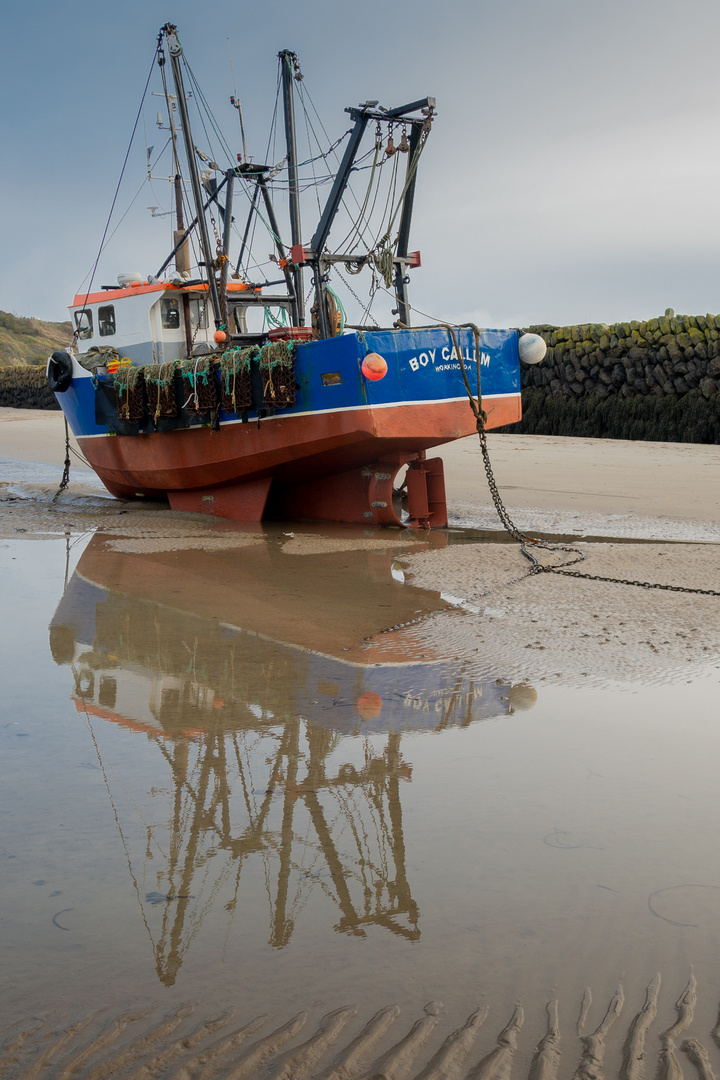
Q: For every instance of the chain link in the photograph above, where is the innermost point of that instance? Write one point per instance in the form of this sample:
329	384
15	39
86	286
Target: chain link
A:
366	309
622	581
65	482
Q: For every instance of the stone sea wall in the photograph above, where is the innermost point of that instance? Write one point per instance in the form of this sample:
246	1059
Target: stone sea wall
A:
658	379
25	387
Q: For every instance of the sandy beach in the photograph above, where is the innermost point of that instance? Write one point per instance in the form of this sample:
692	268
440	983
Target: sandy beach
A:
608	487
647	512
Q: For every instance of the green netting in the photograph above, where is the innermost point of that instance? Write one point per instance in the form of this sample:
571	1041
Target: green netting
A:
199	384
160	387
236	378
277	367
128	385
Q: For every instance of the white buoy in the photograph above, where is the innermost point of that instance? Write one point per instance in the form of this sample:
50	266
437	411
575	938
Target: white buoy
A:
532	348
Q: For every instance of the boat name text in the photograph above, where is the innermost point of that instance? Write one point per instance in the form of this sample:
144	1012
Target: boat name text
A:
449	357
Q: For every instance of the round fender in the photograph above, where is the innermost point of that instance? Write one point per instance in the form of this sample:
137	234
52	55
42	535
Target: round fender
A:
531	348
59	372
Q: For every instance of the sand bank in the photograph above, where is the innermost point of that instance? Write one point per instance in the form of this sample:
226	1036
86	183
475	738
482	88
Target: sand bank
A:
598	487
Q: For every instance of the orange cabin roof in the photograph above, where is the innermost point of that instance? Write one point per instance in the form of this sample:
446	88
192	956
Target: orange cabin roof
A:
83	299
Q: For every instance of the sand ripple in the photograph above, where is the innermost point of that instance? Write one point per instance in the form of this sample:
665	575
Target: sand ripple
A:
570	630
141	1041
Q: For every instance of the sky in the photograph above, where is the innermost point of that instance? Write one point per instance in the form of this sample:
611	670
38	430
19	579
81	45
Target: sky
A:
572	174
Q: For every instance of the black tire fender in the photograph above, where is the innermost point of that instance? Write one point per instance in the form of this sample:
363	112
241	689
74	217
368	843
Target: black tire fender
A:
85	683
59	372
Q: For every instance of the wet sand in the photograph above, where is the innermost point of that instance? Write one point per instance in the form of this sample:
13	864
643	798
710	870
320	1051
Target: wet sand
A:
574	488
548	831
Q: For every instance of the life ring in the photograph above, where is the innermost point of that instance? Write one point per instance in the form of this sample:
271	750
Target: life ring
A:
59	372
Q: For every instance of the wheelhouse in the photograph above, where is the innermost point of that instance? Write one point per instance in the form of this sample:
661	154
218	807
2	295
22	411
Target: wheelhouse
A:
152	322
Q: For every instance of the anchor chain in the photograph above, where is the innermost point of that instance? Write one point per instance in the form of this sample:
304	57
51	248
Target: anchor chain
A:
508	524
64	483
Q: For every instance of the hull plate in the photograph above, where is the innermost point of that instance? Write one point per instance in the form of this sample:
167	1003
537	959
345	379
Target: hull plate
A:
289	449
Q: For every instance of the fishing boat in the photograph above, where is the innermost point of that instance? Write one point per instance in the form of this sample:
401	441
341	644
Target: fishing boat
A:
213	387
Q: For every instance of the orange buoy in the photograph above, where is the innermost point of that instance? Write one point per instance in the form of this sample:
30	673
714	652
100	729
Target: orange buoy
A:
220	337
374	367
369	705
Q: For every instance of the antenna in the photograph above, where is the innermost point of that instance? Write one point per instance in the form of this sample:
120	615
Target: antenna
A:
235	102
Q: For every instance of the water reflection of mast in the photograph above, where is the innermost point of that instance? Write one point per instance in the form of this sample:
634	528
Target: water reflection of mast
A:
201	806
378	777
205	817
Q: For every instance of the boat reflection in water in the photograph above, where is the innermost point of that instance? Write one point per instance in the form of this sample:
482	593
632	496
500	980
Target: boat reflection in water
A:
245	671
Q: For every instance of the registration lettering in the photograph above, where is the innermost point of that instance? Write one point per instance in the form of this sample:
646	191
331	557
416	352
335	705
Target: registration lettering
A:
448	358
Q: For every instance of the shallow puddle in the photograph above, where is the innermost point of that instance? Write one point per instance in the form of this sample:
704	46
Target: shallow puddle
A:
236	777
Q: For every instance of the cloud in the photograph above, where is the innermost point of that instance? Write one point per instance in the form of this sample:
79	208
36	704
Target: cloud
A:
572	171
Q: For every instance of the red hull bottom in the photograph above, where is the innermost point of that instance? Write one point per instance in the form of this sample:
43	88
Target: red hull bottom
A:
325	466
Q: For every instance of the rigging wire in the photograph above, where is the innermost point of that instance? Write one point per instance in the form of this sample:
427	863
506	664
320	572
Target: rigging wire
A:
432	318
236	102
201	100
346	244
135	196
326	153
317	180
302	93
312	161
117	189
273	122
410	176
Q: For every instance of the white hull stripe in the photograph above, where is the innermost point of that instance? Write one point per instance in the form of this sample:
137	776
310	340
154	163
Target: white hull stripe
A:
319	412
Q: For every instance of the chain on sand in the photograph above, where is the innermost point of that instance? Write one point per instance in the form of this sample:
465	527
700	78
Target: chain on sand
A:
528	543
66	468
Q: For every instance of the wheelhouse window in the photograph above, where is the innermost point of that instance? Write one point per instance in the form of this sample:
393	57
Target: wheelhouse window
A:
171	315
83	324
106	320
198	313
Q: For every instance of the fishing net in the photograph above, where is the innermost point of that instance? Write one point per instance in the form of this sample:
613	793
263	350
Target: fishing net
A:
236	378
160	387
128	385
199	385
277	367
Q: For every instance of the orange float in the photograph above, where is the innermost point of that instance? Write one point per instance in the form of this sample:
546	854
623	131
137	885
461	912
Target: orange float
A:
374	367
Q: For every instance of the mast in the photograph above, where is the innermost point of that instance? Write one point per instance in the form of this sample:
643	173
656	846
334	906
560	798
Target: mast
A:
175	50
230	177
182	258
288	60
403	240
